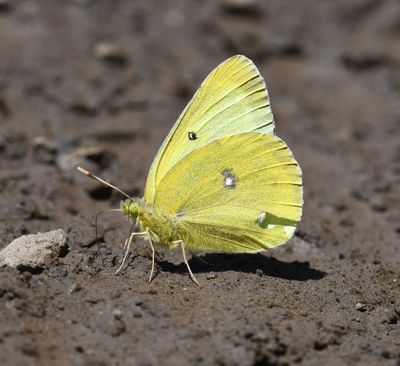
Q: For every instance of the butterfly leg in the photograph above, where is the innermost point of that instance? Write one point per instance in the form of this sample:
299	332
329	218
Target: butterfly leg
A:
153	258
187	265
127	245
126	242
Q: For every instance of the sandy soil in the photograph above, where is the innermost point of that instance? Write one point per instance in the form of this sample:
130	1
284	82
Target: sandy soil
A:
331	296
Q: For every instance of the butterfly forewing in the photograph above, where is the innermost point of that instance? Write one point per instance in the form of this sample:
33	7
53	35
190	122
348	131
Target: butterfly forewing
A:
241	193
233	99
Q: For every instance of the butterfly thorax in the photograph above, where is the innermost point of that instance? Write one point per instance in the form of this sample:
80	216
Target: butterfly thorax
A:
160	226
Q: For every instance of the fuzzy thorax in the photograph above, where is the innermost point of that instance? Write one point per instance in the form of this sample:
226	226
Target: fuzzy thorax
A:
161	228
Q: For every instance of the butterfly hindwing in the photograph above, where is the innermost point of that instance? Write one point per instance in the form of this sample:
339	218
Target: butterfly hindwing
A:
241	193
233	99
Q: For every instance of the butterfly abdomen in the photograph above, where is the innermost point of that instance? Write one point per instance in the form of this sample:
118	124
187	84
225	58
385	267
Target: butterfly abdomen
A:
157	223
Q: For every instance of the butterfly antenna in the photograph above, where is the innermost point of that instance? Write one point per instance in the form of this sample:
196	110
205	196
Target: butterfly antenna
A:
90	175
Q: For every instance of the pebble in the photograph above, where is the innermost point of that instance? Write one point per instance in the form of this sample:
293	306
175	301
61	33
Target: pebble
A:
379	202
211	276
117	313
35	251
137	312
361	307
76	287
262	335
110	52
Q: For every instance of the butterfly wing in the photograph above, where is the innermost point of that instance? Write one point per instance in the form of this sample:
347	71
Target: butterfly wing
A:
241	193
232	99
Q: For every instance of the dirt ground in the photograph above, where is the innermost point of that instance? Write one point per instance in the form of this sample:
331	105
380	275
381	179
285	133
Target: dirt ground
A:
100	83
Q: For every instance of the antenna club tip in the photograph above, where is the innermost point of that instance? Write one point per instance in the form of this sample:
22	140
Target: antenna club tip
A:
82	170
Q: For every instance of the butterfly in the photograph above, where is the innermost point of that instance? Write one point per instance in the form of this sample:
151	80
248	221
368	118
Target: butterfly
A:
222	181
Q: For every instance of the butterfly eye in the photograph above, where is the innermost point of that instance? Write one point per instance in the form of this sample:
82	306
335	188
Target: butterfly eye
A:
192	135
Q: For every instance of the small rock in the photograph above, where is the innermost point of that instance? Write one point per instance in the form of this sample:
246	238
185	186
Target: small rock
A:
117	313
76	287
110	52
361	307
262	335
137	313
211	276
379	203
35	251
259	272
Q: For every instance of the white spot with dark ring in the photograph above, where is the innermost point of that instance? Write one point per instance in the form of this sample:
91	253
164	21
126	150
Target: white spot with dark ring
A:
262	216
230	179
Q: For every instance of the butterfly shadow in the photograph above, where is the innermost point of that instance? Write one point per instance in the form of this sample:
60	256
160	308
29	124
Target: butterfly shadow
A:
247	263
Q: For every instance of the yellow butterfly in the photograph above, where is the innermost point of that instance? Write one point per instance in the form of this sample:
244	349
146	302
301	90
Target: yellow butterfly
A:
221	181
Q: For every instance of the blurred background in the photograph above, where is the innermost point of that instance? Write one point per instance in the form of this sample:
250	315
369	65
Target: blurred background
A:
100	83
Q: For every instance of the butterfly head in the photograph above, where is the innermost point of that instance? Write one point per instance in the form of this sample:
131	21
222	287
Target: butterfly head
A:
130	207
